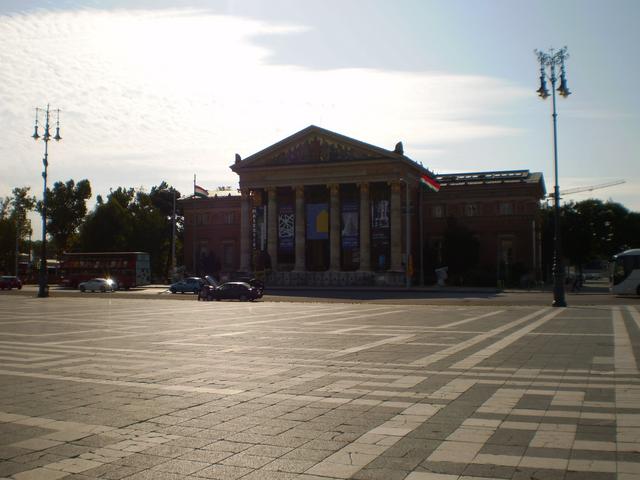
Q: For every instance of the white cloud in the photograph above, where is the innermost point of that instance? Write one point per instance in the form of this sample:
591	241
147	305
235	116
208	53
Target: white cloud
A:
148	96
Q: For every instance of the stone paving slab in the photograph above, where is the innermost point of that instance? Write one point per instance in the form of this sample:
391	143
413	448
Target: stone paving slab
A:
108	387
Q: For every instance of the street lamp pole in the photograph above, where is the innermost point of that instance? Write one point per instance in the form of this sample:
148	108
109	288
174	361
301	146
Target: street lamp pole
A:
43	289
548	63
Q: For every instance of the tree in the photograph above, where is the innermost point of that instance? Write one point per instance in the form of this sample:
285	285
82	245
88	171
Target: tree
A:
66	210
131	220
7	236
107	228
22	204
14	225
165	198
591	230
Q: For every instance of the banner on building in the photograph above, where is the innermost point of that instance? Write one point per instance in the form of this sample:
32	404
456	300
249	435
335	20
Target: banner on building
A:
286	229
380	214
380	231
350	233
317	221
259	228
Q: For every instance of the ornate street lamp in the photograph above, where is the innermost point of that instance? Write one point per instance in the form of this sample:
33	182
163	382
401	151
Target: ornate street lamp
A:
43	290
548	63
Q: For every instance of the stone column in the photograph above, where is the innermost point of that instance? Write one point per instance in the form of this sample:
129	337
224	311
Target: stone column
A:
396	228
245	230
300	246
365	229
272	228
334	227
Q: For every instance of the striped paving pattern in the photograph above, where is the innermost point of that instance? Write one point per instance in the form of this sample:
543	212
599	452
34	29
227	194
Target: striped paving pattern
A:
101	387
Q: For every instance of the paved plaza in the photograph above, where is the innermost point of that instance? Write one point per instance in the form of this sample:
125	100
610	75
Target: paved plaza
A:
110	387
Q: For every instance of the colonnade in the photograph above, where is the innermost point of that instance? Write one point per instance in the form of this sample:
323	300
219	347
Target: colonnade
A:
334	228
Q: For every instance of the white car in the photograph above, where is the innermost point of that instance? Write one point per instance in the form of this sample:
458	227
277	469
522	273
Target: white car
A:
98	284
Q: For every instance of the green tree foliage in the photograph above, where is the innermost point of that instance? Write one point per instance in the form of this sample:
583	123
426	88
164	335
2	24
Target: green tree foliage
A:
106	229
131	220
7	236
66	210
14	226
591	230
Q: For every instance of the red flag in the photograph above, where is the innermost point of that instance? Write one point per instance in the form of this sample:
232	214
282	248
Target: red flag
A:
430	182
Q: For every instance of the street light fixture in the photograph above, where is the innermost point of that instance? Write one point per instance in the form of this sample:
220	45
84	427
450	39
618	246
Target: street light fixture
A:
548	63
43	290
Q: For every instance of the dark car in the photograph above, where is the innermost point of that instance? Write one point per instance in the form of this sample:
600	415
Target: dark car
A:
234	291
254	282
208	287
8	282
190	284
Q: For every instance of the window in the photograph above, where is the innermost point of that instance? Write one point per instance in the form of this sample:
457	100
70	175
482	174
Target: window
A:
505	208
438	211
471	210
228	218
506	251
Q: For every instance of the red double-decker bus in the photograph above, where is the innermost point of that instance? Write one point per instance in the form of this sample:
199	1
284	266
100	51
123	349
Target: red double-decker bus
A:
127	269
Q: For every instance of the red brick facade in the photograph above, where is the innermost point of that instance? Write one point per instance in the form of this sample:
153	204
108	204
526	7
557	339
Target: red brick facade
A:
315	169
211	234
501	209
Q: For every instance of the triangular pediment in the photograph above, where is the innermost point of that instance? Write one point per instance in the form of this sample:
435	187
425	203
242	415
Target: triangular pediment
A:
315	145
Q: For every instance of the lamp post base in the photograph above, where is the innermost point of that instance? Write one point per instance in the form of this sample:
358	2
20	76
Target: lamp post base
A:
43	291
558	295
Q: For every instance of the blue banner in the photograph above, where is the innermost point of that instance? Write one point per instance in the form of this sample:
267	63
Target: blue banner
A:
317	221
350	233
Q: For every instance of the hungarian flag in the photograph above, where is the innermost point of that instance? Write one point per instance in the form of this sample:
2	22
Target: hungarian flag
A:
430	182
198	191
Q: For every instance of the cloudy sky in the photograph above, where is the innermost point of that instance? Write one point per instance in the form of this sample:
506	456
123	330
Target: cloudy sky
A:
153	90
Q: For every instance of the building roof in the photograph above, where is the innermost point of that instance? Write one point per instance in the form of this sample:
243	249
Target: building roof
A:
491	177
370	152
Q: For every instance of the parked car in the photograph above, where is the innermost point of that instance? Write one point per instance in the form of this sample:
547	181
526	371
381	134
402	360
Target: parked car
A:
234	290
210	284
189	284
254	282
98	284
8	282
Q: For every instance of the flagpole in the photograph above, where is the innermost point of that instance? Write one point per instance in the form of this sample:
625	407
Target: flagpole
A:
194	184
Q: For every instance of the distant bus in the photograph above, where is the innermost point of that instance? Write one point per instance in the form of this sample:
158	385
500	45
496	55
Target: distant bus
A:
128	269
625	273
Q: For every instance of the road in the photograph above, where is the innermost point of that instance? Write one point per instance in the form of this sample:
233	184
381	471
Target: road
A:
594	293
109	386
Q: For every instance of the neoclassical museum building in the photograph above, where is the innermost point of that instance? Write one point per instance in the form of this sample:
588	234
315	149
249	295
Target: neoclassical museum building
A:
319	208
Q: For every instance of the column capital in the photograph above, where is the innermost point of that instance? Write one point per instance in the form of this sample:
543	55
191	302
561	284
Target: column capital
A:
299	189
271	190
256	197
334	188
364	187
396	186
245	192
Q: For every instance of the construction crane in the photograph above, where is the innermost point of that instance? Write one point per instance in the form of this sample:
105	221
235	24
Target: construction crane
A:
571	191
